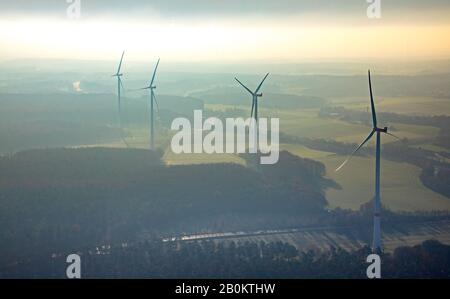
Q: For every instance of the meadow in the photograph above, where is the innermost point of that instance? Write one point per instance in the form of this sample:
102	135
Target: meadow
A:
402	189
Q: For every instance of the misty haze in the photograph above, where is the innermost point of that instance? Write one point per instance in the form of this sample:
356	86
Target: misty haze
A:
88	166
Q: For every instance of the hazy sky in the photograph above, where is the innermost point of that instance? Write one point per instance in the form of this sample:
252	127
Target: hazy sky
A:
225	30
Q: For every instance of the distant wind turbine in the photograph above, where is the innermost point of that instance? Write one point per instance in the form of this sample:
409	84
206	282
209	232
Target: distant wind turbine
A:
152	99
118	74
376	246
255	96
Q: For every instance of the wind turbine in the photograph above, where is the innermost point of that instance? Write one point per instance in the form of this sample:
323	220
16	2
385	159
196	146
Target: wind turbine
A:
118	74
376	246
152	98
255	96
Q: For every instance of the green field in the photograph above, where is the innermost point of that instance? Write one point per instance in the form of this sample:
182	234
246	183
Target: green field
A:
401	187
135	137
182	159
307	123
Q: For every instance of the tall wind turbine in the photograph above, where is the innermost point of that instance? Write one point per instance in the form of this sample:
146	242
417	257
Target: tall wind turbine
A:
255	96
118	74
376	246
152	99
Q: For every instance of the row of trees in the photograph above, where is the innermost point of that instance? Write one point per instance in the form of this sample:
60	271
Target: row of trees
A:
439	121
156	259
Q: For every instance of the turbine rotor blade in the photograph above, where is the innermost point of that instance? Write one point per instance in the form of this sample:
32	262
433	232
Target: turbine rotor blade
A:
121	83
120	64
138	89
260	84
357	149
156	102
243	86
374	115
393	135
125	141
154	73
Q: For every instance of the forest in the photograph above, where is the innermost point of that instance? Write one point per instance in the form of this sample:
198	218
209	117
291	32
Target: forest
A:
57	199
208	259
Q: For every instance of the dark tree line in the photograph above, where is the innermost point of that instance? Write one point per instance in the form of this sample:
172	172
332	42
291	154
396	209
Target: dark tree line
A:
208	259
59	199
439	121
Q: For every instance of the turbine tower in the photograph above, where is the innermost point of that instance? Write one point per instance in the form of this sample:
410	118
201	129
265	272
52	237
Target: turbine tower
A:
152	99
255	96
118	74
376	246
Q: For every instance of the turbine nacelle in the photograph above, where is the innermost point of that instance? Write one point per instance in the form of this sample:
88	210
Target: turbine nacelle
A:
381	130
255	94
149	87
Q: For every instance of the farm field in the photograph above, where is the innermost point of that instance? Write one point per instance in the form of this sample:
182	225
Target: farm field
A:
401	188
182	159
307	123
